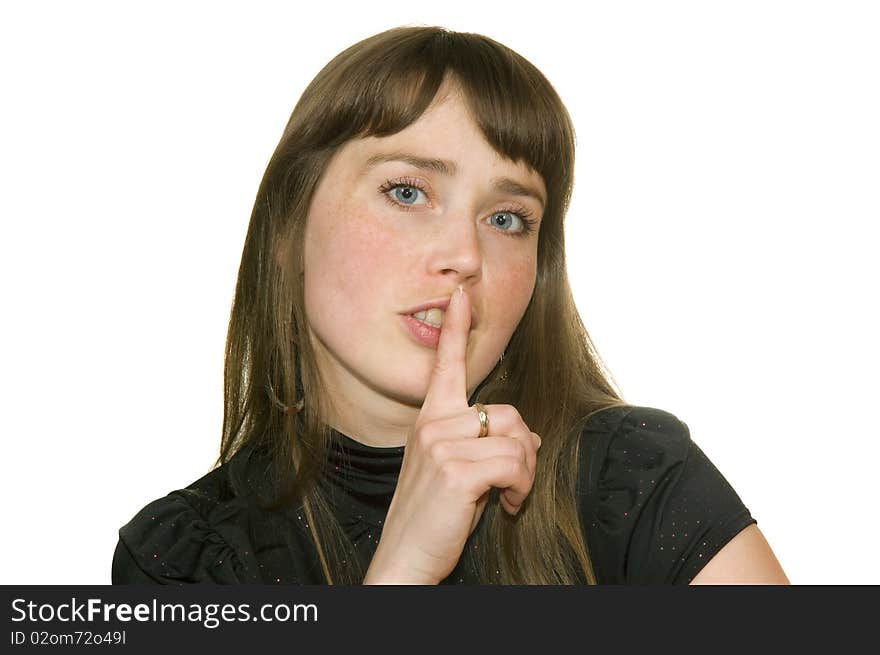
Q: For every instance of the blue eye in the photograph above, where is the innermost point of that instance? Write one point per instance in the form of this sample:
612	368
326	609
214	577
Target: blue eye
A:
506	213
405	192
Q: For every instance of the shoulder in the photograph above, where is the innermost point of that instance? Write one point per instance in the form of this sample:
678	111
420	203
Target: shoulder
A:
624	452
628	441
194	534
654	508
624	422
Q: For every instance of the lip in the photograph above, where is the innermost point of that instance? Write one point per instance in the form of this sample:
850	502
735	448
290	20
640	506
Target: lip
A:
439	303
423	333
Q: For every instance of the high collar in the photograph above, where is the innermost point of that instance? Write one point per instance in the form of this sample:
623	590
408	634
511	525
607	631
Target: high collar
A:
362	479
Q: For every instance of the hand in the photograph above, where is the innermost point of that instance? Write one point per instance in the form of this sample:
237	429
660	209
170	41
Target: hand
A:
447	471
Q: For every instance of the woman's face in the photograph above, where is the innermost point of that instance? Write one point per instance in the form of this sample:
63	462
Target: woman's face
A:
385	235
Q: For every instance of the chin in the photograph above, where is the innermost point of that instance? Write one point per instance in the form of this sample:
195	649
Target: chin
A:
411	386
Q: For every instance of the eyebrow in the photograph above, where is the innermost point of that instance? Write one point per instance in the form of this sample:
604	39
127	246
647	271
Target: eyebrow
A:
446	167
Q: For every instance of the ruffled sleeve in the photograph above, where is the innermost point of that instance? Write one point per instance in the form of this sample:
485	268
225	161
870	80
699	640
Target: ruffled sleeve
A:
655	509
177	540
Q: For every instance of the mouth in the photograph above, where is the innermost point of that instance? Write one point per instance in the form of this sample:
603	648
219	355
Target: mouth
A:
433	312
432	317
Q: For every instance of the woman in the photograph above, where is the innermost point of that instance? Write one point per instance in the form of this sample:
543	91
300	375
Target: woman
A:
410	395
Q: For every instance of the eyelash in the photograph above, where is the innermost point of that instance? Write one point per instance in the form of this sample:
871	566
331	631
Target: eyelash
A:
520	212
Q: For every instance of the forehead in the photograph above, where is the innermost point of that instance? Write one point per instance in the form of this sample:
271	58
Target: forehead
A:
445	140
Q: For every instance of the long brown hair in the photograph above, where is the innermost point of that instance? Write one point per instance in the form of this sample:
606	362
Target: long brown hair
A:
551	371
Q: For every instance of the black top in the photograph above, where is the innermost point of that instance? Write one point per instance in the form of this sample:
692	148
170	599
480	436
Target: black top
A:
654	510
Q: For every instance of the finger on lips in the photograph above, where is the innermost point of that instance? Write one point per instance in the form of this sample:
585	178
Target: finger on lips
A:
447	388
496	461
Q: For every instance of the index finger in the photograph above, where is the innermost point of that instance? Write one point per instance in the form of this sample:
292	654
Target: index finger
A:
447	388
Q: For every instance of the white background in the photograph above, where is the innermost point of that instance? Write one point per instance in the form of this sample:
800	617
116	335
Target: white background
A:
722	241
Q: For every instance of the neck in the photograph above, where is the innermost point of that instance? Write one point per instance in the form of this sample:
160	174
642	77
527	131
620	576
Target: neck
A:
388	430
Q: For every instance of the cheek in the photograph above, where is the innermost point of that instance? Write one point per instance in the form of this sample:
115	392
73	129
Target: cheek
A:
348	262
515	282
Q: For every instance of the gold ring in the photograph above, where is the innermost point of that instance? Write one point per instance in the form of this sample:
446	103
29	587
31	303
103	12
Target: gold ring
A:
484	419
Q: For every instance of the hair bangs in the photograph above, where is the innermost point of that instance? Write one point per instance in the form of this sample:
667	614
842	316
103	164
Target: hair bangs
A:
390	82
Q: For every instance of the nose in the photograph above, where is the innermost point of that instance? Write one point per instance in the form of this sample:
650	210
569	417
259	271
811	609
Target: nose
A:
455	250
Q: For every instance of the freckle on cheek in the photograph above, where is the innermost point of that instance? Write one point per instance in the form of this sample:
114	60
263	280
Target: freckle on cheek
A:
360	257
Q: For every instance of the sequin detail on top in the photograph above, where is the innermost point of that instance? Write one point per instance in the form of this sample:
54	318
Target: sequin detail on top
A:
655	509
